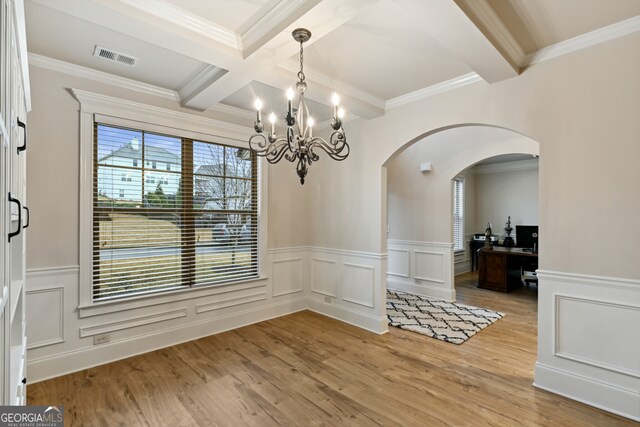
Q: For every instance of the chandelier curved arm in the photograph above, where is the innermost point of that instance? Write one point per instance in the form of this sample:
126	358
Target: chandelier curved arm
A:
272	151
337	147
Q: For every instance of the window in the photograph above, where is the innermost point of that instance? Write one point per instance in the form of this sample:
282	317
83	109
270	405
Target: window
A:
168	166
458	214
196	226
135	163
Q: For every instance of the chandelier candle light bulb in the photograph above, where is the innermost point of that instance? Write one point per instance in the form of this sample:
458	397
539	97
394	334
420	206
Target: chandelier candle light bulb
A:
272	120
299	147
258	106
336	103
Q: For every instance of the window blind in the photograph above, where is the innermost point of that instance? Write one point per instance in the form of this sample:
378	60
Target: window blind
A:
458	214
170	213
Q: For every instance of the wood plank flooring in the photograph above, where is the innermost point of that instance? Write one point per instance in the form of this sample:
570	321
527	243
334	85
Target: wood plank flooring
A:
309	370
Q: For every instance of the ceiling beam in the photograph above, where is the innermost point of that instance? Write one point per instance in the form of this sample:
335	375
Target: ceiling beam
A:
277	46
452	28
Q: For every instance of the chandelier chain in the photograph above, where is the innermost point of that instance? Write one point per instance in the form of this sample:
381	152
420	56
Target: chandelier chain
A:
301	72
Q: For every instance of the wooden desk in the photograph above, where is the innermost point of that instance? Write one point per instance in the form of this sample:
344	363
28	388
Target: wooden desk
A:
500	267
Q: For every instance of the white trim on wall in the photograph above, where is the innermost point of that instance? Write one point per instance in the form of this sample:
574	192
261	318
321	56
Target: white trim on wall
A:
137	115
578	317
356	296
430	272
583	41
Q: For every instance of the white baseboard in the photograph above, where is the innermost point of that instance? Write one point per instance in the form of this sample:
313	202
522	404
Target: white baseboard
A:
64	363
585	390
425	290
378	325
462	267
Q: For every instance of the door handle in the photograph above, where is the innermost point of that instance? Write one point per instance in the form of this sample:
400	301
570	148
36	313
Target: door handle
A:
16	201
24	140
28	217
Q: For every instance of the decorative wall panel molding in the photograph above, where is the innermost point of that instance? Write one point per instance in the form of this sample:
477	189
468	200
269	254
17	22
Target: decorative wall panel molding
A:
429	266
324	277
230	302
358	284
132	322
287	276
588	341
399	262
45	317
579	320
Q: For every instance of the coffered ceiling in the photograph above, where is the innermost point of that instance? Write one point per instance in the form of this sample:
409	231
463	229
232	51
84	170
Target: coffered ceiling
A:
220	54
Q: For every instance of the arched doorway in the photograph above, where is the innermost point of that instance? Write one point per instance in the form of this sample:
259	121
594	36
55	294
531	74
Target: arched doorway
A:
417	207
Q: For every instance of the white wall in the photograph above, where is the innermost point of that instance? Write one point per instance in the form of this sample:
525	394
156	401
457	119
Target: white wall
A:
502	190
583	109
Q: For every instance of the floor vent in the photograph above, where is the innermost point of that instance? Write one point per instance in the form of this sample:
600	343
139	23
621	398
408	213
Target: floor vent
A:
112	55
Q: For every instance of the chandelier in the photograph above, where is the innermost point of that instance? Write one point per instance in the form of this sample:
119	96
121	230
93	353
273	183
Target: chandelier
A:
299	146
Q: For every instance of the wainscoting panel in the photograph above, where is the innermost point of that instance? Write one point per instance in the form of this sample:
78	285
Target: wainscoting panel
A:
61	339
429	266
46	310
355	279
324	277
132	322
579	320
358	284
431	272
287	276
399	263
588	340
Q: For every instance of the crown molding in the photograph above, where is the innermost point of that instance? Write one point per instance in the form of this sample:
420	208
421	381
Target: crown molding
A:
269	22
496	28
601	35
124	83
100	76
189	21
435	89
518	165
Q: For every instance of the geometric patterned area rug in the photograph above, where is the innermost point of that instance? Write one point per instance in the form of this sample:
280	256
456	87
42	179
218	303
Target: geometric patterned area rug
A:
443	320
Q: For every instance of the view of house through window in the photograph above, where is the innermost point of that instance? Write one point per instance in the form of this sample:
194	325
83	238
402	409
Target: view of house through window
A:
458	214
184	214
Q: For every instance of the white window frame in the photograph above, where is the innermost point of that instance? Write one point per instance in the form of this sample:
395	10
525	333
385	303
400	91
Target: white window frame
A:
453	216
115	111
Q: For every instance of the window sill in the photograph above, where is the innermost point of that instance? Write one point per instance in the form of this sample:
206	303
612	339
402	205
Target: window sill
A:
141	301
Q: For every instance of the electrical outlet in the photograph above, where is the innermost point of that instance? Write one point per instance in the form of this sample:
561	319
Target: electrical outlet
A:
101	339
327	300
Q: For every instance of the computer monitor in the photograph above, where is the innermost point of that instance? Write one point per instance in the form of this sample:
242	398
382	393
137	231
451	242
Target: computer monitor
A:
527	236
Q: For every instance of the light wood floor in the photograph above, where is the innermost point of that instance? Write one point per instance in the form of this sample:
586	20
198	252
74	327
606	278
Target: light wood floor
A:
307	369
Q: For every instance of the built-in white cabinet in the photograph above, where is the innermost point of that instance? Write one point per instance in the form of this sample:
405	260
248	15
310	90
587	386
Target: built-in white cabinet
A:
14	212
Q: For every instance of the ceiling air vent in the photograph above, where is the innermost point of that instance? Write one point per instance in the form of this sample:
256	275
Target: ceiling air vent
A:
112	55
